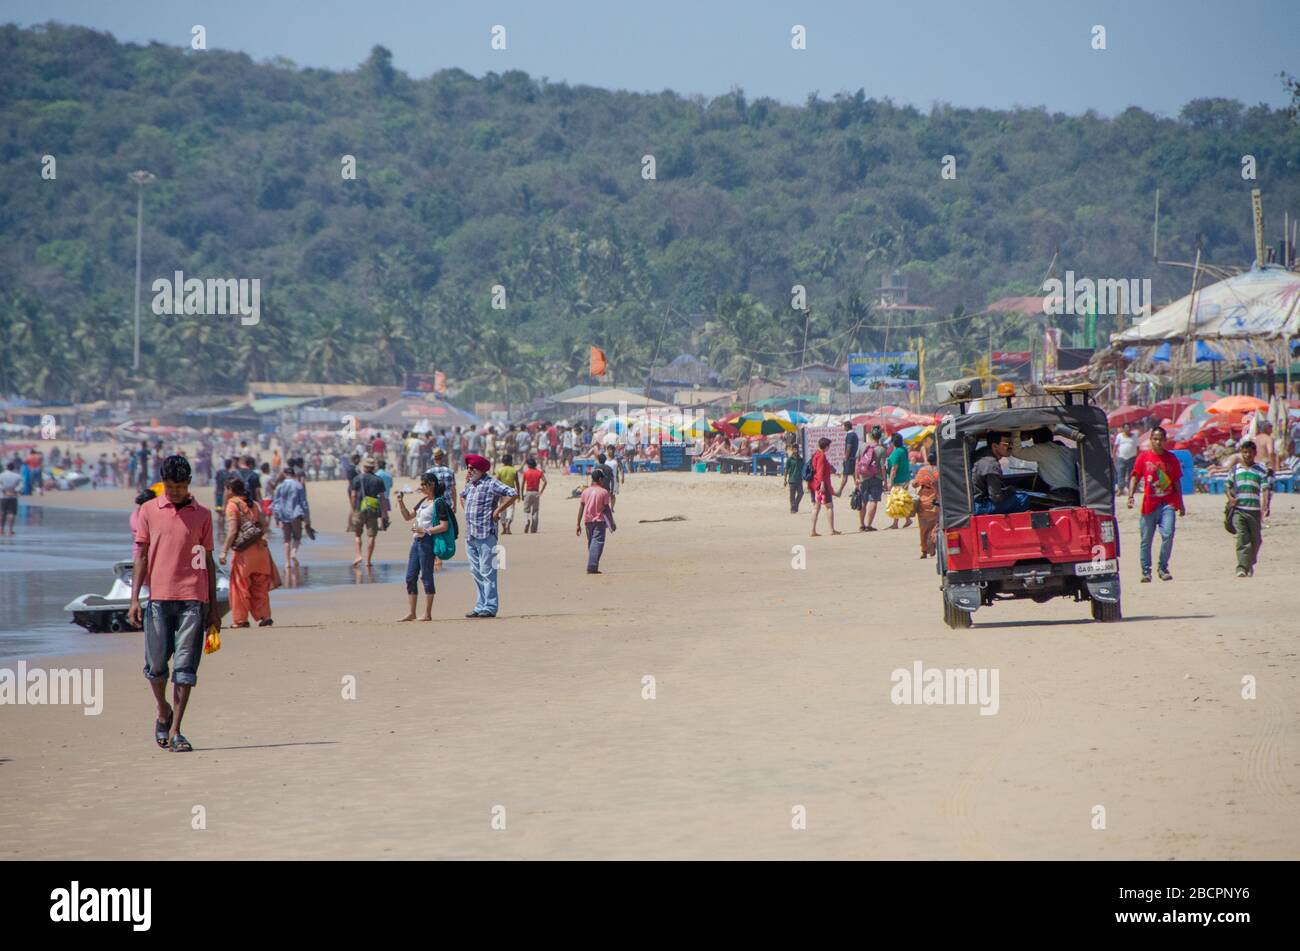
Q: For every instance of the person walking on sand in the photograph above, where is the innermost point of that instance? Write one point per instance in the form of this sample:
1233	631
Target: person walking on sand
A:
484	499
432	517
926	482
1161	476
534	480
871	479
820	487
1126	450
596	515
365	495
290	510
792	476
898	471
140	458
252	573
508	475
173	557
1250	492
850	458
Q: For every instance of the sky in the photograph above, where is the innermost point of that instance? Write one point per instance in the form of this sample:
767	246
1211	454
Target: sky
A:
977	53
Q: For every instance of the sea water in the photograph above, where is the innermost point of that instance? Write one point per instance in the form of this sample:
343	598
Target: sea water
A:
60	554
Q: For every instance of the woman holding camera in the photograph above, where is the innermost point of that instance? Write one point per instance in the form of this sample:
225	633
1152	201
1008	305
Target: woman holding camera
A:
430	518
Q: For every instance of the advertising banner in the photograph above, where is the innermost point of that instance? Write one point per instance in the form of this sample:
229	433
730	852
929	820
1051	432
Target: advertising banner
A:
894	370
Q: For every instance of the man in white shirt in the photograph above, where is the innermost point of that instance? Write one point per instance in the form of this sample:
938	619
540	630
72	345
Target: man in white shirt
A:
10	483
568	442
1126	450
1057	465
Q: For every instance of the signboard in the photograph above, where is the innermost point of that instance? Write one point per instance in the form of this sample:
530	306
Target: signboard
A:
884	370
1012	365
835	452
824	396
672	456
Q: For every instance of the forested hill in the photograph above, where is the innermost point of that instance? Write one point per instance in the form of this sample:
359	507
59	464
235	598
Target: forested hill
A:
465	183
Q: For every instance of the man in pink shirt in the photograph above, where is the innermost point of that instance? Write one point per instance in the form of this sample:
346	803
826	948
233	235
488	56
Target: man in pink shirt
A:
173	537
596	515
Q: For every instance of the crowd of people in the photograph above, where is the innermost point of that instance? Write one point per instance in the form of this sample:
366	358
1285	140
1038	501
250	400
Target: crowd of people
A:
471	484
881	464
878	464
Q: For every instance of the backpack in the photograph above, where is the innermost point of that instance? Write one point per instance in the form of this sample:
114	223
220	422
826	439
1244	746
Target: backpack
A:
869	464
444	544
808	471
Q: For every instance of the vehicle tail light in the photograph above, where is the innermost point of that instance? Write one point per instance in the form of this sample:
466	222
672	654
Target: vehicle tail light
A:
1108	531
954	542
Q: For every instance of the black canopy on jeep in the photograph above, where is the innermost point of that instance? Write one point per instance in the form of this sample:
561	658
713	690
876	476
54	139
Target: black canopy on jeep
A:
956	443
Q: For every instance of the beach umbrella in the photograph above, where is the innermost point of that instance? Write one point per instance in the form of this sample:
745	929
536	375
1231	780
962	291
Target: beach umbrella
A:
1236	405
915	435
1123	415
727	424
794	416
1172	407
699	427
762	424
888	424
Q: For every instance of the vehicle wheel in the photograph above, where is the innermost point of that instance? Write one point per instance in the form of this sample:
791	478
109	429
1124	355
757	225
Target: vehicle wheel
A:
1102	611
955	618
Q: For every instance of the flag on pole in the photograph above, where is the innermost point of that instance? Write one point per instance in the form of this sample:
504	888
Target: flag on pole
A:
597	361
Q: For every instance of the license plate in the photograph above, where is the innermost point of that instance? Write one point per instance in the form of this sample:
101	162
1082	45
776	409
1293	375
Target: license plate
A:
1108	567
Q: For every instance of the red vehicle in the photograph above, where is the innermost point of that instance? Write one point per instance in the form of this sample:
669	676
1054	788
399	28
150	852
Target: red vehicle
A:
1065	541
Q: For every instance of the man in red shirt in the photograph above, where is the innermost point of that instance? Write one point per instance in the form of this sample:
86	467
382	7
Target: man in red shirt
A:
173	537
1161	476
596	515
534	484
819	486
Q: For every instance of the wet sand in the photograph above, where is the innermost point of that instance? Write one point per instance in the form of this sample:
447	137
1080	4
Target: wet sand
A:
772	692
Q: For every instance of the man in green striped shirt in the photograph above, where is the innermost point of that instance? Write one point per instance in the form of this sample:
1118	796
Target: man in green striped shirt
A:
1248	488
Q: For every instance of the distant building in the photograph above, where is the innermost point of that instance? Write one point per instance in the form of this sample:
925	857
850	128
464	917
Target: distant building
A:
816	374
684	372
893	295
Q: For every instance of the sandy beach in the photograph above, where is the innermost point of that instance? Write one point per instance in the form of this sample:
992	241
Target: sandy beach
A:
772	692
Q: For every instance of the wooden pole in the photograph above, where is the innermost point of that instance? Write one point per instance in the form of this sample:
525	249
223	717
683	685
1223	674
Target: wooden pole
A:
1191	313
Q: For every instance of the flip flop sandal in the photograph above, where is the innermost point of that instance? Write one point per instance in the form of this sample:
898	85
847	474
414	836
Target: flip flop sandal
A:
181	745
161	729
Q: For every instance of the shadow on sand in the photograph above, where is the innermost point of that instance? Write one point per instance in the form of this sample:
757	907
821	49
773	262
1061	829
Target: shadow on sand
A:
1088	620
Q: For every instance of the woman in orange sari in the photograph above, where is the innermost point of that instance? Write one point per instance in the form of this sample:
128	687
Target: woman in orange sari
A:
926	481
252	572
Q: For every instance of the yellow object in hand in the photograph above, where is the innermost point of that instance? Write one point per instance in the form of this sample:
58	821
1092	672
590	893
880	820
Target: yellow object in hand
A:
212	643
899	504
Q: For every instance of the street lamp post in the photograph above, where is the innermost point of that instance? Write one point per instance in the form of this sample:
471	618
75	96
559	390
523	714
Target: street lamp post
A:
141	179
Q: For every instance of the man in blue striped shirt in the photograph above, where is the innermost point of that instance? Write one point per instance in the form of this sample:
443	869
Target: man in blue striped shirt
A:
1248	488
485	498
